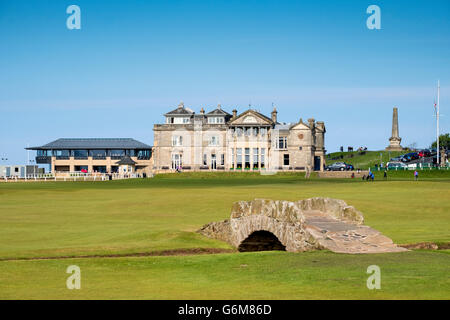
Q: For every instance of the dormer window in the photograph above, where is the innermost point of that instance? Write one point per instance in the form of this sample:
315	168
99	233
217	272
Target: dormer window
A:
216	120
178	120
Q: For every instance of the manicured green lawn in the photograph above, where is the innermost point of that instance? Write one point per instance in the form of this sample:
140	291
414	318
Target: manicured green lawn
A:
267	275
86	218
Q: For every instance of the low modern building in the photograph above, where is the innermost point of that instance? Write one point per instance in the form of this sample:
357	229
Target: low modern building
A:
218	140
94	155
20	171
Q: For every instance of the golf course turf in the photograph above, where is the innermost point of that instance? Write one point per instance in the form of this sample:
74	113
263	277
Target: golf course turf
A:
137	216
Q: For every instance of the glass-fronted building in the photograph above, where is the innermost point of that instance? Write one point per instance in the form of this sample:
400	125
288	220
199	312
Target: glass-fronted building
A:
93	154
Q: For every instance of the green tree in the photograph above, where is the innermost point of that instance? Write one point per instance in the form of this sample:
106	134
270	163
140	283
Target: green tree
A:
444	141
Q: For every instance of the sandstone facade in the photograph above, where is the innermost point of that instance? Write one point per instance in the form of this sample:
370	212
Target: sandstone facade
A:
250	141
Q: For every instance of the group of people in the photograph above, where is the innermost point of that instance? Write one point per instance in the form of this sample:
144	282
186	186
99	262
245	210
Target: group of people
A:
370	176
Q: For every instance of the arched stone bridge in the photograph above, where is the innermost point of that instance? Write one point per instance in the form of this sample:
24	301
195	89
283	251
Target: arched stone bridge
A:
304	225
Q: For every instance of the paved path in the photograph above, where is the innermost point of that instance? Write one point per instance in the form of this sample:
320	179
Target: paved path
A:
345	237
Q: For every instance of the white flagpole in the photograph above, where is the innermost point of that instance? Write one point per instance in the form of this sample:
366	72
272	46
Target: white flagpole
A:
437	125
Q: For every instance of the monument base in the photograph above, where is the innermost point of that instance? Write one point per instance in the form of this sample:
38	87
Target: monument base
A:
394	148
394	144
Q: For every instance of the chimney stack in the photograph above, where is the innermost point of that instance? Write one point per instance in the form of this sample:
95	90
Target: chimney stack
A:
274	115
234	113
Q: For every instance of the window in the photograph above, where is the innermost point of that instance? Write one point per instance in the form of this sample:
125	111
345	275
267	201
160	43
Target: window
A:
247	158
205	159
80	154
247	131
214	141
222	159
239	132
177	141
44	153
216	120
213	161
97	154
263	154
177	161
62	154
143	154
255	132
181	120
255	158
263	131
282	143
117	154
286	159
232	158
239	158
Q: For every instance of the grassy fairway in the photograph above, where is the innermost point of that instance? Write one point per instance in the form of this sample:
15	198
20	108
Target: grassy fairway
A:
86	218
266	275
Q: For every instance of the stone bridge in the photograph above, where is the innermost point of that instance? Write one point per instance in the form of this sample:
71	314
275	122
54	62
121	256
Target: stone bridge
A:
304	225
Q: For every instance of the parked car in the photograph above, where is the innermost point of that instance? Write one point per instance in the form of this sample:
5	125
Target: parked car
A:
396	165
396	159
339	166
410	156
425	153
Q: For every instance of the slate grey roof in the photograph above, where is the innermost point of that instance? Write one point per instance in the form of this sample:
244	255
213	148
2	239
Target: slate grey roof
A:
126	160
283	126
93	143
181	110
218	112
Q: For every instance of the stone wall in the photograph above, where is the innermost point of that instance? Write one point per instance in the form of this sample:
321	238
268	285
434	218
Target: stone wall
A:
284	219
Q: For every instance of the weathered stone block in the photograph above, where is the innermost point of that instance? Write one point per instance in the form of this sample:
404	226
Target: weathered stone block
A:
309	224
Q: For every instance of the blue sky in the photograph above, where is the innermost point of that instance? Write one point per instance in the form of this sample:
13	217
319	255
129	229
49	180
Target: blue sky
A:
132	61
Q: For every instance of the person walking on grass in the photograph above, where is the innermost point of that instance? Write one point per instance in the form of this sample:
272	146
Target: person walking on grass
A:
416	175
308	172
385	174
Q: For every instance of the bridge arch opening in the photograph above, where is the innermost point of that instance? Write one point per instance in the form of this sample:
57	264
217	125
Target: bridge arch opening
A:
261	241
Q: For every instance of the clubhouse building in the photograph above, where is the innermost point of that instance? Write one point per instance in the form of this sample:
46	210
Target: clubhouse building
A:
204	141
95	155
218	140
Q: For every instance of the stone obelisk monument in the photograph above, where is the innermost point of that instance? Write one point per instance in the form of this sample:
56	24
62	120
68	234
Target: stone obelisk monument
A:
394	141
